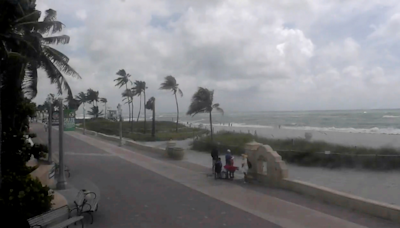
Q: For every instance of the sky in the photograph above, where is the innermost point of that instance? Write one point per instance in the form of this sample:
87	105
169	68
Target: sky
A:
258	55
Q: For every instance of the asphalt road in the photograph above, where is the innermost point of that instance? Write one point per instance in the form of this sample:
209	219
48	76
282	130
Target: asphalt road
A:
132	196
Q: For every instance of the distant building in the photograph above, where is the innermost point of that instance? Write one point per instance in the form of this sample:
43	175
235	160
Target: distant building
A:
112	114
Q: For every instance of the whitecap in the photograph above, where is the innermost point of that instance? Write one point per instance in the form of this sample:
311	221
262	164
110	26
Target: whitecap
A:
389	116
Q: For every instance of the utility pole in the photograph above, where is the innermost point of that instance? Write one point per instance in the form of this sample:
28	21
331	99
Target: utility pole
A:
120	123
61	182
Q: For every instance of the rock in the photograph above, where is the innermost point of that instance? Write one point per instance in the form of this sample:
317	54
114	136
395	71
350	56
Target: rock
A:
176	153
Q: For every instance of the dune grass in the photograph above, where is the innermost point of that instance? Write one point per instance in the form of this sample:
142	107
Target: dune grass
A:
307	153
165	130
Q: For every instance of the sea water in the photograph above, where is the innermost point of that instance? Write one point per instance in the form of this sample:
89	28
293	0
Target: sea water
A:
353	121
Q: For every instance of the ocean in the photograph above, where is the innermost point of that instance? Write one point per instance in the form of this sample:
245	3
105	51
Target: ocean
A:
351	121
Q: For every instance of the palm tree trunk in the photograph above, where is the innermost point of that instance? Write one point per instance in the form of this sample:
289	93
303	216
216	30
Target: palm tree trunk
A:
140	108
177	113
1	130
144	102
211	127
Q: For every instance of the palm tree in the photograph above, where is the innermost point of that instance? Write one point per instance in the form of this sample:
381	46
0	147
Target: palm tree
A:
51	60
26	38
128	96
23	50
170	84
151	105
92	97
95	112
123	80
202	102
140	87
82	98
104	101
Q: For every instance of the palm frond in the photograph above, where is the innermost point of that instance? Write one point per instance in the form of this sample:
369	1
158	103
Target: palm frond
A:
219	110
180	92
201	101
103	100
57	52
33	16
122	73
50	15
169	83
31	80
55	76
59	61
63	39
41	26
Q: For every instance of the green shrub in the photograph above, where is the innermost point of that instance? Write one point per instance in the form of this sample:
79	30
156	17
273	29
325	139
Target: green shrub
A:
307	153
25	195
165	130
38	150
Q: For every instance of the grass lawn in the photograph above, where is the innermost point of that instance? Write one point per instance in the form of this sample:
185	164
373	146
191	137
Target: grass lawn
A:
165	130
307	153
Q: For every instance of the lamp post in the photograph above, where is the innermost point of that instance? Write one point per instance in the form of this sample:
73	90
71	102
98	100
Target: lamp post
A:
61	182
120	123
84	119
49	125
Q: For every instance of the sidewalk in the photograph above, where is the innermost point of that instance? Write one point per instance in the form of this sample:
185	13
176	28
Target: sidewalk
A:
283	213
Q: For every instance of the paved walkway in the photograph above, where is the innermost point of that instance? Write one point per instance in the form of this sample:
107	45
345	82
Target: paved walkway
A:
368	184
133	184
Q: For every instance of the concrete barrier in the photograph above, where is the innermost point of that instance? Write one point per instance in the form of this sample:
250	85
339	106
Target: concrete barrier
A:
371	207
277	175
140	146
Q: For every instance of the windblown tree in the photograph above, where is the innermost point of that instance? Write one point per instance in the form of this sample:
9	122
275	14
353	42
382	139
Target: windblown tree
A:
123	80
34	51
140	87
202	102
94	111
81	97
93	98
151	105
170	84
26	44
128	96
104	101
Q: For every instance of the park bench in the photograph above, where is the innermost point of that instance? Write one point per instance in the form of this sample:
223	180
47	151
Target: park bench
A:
58	218
86	202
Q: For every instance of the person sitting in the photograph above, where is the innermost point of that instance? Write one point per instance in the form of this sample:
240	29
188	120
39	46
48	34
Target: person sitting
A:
218	167
228	158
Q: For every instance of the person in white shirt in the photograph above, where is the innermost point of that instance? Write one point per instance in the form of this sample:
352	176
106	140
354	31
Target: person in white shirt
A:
245	167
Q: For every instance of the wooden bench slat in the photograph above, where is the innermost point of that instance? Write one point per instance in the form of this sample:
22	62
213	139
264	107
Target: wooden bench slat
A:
67	222
49	217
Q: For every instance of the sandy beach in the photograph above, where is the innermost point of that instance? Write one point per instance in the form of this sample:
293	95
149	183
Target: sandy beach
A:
343	138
